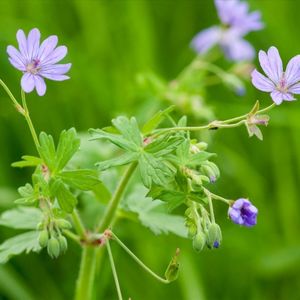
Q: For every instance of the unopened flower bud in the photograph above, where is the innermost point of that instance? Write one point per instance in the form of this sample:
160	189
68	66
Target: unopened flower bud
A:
214	236
64	224
40	226
192	230
63	243
172	271
53	247
201	146
43	238
199	241
211	171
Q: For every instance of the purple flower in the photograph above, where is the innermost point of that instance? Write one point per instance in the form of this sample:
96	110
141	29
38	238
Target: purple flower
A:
282	85
235	13
38	61
237	22
242	212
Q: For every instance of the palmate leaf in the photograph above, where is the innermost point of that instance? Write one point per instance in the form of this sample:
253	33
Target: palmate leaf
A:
153	169
123	159
25	242
27	161
27	193
22	218
156	120
154	214
47	150
65	198
67	146
129	139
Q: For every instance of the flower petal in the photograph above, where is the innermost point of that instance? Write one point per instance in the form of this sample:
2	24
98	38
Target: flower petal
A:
56	69
261	82
277	97
56	77
206	39
21	38
16	55
55	56
33	43
238	49
292	73
294	89
17	65
271	64
27	82
40	85
47	46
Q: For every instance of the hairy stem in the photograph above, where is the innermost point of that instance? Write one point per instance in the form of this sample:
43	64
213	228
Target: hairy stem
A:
111	210
138	261
78	225
85	281
114	271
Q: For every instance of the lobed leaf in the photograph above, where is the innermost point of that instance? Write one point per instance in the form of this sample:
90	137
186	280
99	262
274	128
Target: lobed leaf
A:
28	161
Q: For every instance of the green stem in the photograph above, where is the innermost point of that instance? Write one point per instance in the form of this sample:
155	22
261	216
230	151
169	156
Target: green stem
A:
85	281
29	122
138	261
11	96
71	235
215	124
79	227
211	207
114	271
110	213
217	197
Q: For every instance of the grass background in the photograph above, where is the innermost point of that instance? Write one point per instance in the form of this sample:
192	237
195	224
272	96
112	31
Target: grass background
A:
109	43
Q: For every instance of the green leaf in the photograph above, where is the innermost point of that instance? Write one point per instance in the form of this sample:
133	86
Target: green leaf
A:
153	169
47	150
129	129
116	139
123	159
164	145
25	242
67	146
28	161
156	120
84	180
102	193
65	198
22	218
154	214
28	194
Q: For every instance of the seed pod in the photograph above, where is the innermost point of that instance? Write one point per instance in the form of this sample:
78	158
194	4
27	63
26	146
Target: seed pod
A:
214	236
63	243
53	247
43	238
63	224
199	241
172	271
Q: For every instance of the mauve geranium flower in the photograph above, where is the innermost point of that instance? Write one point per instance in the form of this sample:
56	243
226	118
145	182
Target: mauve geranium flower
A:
38	61
282	85
243	212
236	23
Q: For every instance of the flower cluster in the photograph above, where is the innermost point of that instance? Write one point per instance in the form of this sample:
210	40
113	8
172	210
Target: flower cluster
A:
236	21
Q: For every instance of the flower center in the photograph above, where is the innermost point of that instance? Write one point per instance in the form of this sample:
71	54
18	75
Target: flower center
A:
33	67
282	86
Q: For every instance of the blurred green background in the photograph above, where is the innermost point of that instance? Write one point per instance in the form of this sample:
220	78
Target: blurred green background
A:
110	42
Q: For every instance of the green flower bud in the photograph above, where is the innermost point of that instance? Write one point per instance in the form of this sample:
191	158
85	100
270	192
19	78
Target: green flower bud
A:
64	224
53	247
192	230
40	226
172	271
214	236
43	238
199	241
211	170
201	146
63	243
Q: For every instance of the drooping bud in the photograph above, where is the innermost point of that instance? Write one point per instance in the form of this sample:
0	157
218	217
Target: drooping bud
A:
53	247
199	241
214	236
192	229
43	238
63	243
63	224
172	271
211	170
